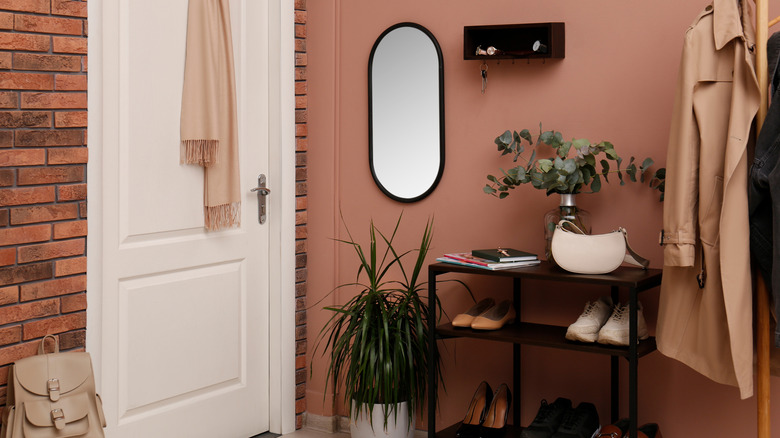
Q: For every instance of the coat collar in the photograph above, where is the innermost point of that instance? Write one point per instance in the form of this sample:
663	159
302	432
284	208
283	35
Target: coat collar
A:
732	19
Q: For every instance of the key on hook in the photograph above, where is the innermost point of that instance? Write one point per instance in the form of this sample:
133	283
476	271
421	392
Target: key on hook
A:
483	71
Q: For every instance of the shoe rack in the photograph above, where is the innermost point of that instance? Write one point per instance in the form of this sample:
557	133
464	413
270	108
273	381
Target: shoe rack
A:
630	281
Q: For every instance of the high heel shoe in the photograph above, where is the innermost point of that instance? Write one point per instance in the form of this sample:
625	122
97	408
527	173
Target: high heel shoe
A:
476	412
494	425
495	317
465	319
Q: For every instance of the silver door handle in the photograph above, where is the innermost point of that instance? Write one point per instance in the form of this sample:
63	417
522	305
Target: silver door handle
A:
262	192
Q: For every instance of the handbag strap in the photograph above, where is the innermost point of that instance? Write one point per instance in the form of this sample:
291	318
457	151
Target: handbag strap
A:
42	347
631	258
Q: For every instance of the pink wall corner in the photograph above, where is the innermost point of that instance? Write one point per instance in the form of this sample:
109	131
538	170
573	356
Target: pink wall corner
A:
616	83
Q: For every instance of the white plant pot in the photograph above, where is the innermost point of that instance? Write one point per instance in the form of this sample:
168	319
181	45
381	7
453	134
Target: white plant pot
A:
397	427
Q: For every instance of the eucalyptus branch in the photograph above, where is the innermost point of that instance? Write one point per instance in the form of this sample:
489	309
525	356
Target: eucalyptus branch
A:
561	173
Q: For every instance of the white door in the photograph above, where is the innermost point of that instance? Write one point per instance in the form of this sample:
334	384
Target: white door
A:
181	330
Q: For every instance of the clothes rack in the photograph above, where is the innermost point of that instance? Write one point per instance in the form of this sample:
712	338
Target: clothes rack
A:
763	338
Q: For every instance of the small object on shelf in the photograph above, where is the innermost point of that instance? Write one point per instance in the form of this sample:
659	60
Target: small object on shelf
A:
494	425
483	72
548	418
465	319
587	326
514	41
504	255
615	330
475	416
495	317
466	259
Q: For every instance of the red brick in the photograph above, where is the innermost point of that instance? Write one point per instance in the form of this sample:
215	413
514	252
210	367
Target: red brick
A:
21	274
6	21
34	23
6	139
301	59
49	137
9	295
84	63
26	81
70	119
9	99
70	83
65	267
3	218
73	192
24	41
25	119
26	195
68	155
7	178
50	175
300	31
47	213
33	61
69	7
59	324
66	230
19	351
73	303
52	288
11	335
7	256
37	6
6	60
26	311
22	157
301	102
54	100
70	45
301	88
83	210
300	17
300	45
51	250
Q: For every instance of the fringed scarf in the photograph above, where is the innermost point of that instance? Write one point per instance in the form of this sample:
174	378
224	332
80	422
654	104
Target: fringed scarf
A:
209	126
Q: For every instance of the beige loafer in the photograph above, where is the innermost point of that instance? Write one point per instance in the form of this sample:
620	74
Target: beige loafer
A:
465	319
495	317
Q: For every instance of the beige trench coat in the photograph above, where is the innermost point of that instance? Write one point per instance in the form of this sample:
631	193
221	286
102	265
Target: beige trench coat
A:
706	232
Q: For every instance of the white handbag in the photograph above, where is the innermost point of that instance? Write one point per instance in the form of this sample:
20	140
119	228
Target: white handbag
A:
581	253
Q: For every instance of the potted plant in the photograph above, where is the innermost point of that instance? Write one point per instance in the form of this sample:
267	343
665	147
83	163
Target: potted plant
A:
378	339
564	174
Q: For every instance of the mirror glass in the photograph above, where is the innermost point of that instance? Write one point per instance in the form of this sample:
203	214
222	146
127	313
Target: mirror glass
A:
406	112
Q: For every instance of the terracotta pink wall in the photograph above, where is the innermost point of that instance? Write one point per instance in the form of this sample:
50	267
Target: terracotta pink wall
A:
616	83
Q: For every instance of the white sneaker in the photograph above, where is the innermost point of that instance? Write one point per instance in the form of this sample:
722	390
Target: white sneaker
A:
586	328
615	331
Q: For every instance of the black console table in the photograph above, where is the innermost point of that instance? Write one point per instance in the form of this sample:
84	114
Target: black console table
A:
632	279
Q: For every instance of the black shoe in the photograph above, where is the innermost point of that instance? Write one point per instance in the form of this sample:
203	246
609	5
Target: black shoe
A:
494	425
547	419
475	415
582	422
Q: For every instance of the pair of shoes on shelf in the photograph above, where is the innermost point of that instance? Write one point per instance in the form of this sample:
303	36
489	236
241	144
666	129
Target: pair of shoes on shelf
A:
487	413
486	315
606	324
620	430
560	420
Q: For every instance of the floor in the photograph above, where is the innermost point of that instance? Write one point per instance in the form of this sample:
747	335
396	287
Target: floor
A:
310	433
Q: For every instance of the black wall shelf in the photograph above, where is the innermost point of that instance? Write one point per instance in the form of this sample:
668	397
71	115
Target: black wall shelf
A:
515	41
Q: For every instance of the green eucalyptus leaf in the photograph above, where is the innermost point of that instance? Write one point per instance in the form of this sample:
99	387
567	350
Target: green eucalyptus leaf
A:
580	143
569	166
563	150
492	178
505	138
558	139
595	186
546	137
591	160
489	190
503	195
631	171
526	134
545	165
558	163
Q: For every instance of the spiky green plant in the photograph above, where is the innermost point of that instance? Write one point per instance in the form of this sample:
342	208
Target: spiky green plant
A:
378	340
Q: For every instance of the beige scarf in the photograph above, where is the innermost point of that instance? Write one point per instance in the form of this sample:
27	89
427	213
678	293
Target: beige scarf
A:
209	127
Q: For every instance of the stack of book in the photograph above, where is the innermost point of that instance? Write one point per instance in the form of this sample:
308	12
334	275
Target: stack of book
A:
493	259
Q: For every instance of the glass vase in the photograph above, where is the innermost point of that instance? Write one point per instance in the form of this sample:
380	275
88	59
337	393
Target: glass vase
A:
566	210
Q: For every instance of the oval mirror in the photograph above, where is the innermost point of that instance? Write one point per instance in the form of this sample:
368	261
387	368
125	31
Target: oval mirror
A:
406	112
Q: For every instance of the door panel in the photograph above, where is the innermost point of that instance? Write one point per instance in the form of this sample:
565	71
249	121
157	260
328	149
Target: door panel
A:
185	322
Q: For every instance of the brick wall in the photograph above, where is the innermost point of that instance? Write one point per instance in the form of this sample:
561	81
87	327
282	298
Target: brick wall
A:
43	155
301	145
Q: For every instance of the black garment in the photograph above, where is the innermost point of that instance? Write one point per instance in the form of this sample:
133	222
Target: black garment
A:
764	189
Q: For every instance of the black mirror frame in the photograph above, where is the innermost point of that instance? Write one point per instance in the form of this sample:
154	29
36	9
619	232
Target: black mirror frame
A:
441	113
